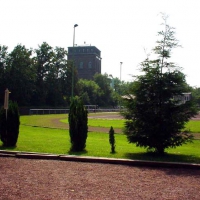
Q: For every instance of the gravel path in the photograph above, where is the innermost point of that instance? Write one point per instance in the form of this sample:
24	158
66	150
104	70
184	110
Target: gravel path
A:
22	179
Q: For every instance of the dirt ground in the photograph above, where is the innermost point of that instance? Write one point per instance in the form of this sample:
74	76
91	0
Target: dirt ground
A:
23	179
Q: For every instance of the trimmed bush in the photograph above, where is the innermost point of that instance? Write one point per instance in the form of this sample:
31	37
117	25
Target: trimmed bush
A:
112	139
9	128
78	128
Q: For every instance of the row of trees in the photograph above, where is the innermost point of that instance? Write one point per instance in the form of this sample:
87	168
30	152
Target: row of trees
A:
43	77
35	77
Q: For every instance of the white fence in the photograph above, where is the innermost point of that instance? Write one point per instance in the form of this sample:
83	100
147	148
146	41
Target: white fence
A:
63	111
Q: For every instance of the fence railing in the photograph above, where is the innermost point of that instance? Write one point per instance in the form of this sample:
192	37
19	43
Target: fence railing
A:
63	111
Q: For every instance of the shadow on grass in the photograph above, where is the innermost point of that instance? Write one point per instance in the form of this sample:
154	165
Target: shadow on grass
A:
77	153
167	157
7	148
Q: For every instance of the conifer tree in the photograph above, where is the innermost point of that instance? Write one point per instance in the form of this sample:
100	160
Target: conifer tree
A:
112	139
78	128
156	110
9	125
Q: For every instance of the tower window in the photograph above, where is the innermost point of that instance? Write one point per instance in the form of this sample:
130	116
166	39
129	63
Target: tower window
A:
81	65
90	65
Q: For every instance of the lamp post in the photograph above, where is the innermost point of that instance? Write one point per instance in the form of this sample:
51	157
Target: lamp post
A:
120	83
75	25
121	70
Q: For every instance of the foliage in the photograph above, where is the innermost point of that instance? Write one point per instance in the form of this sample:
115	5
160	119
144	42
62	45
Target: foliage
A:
20	74
156	114
78	128
47	75
45	71
112	139
89	91
9	125
196	95
103	82
3	65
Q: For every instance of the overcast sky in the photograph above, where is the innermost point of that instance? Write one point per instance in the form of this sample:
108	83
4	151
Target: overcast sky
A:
120	29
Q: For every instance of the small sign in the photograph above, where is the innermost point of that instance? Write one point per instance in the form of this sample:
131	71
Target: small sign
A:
6	99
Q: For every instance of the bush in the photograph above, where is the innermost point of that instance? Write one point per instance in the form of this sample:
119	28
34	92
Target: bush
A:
78	128
9	128
112	139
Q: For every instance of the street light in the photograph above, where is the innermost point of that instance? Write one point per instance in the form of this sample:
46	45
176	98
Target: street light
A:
75	25
120	83
120	70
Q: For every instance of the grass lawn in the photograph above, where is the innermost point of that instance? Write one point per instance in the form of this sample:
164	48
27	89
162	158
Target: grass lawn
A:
117	123
46	121
57	141
193	126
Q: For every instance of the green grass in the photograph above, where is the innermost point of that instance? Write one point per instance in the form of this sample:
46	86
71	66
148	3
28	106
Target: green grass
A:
107	123
46	121
41	120
57	141
193	126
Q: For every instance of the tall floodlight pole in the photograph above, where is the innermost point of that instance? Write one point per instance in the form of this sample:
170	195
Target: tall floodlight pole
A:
120	83
73	65
121	71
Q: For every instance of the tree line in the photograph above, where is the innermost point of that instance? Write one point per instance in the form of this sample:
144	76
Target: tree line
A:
42	77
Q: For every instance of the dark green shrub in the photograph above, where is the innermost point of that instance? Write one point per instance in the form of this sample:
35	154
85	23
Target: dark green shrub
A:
9	128
112	139
78	128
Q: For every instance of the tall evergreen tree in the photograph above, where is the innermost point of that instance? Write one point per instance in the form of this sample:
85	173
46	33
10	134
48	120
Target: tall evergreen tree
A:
78	128
156	114
9	125
112	139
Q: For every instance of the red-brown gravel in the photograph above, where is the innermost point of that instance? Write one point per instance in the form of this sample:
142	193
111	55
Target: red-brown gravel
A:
23	179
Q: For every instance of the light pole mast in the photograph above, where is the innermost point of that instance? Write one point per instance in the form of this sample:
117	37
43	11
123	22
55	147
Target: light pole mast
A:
120	84
73	65
121	71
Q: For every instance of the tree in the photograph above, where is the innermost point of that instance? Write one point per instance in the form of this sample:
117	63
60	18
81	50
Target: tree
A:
155	114
20	75
62	68
196	94
89	91
112	139
68	82
9	125
43	62
78	128
55	78
103	81
3	66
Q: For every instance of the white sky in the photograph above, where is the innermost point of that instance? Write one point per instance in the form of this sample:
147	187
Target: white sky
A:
120	29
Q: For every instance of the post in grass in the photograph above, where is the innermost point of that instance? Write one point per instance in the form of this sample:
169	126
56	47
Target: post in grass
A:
6	100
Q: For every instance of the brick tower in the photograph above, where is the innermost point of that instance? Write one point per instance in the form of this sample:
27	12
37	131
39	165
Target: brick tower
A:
87	60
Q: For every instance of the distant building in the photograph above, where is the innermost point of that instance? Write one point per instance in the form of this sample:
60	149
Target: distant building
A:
87	60
183	98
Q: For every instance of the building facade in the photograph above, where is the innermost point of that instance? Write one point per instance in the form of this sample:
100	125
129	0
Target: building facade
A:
87	60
